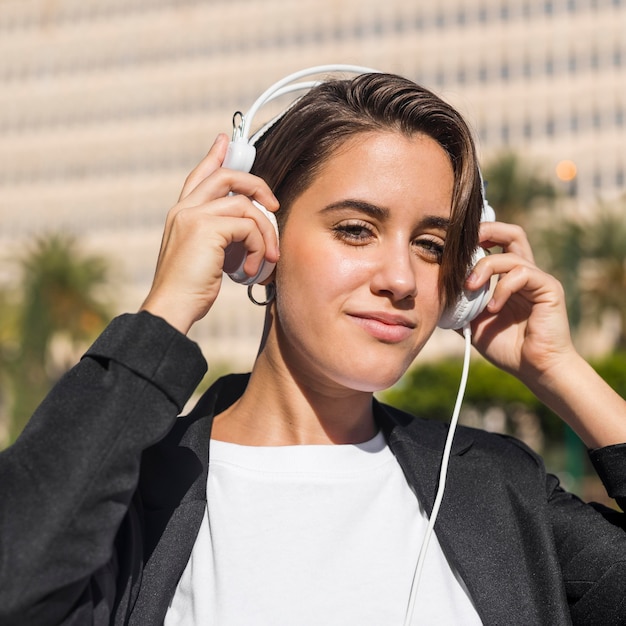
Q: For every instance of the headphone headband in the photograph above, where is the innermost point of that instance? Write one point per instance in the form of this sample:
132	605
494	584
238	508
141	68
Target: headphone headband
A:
289	84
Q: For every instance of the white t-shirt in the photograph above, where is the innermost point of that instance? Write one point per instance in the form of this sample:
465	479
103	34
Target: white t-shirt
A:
309	536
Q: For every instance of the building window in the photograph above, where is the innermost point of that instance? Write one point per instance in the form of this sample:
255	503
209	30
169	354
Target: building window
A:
596	119
597	179
571	188
399	24
572	63
527	129
505	133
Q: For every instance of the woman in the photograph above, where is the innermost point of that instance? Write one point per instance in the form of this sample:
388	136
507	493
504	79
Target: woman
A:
292	496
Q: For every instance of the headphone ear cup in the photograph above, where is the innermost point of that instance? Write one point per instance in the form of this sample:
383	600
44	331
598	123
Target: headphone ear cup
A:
239	156
469	305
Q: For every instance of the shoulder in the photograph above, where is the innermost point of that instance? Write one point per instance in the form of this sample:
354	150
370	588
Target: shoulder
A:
493	448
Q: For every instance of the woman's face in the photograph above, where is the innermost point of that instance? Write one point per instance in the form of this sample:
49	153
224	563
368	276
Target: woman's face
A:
357	281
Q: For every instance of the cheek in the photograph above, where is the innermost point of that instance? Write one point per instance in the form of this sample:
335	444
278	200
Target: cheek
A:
296	268
318	264
430	299
430	291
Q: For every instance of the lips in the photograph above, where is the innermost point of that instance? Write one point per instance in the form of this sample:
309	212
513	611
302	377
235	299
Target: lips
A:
386	327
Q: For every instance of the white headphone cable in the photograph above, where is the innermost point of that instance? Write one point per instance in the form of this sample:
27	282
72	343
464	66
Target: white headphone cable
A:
445	459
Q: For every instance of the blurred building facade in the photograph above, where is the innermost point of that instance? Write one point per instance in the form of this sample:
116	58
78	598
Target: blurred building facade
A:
106	105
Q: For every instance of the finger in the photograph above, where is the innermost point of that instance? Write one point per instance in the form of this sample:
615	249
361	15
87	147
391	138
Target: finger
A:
219	214
530	282
209	164
224	182
510	237
230	219
246	234
258	222
494	265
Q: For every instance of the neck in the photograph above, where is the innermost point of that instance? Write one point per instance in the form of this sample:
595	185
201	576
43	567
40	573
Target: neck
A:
279	408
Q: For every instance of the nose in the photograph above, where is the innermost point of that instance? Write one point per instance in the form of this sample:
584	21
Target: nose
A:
394	276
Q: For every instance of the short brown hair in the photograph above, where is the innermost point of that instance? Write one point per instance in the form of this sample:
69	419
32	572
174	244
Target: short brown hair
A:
291	152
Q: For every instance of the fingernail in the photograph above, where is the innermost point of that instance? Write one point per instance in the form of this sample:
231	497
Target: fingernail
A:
220	138
472	278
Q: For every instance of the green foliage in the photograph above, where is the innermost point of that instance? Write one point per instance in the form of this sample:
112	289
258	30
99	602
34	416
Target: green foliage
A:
61	294
605	251
514	187
588	255
561	252
430	391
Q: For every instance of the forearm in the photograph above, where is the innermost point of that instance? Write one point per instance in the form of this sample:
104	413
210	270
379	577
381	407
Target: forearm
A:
576	393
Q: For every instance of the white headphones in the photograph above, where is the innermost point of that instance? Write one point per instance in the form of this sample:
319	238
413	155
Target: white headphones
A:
240	156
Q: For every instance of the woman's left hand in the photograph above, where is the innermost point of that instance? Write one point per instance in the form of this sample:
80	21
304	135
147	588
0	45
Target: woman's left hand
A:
524	329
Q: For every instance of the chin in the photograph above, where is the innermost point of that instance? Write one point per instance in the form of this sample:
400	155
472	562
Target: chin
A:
372	381
374	371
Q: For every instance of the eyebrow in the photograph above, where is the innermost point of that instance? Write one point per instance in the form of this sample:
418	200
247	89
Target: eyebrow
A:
381	213
373	210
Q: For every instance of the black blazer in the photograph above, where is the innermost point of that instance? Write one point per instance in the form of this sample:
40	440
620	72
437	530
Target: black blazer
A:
103	495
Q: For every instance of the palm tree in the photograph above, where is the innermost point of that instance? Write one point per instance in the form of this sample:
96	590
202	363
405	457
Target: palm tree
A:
61	296
514	188
561	252
7	349
588	255
604	281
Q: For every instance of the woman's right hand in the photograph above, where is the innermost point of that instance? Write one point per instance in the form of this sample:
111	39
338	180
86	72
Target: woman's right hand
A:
205	220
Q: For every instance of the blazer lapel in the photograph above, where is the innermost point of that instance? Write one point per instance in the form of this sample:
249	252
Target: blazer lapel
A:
484	527
173	493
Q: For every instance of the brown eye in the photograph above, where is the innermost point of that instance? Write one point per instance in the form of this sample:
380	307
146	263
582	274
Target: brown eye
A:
430	249
353	233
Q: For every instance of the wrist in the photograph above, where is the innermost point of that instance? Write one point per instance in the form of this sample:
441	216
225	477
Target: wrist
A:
582	399
168	310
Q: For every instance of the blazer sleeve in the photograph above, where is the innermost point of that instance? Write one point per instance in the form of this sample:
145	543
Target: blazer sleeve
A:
591	542
67	482
610	464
